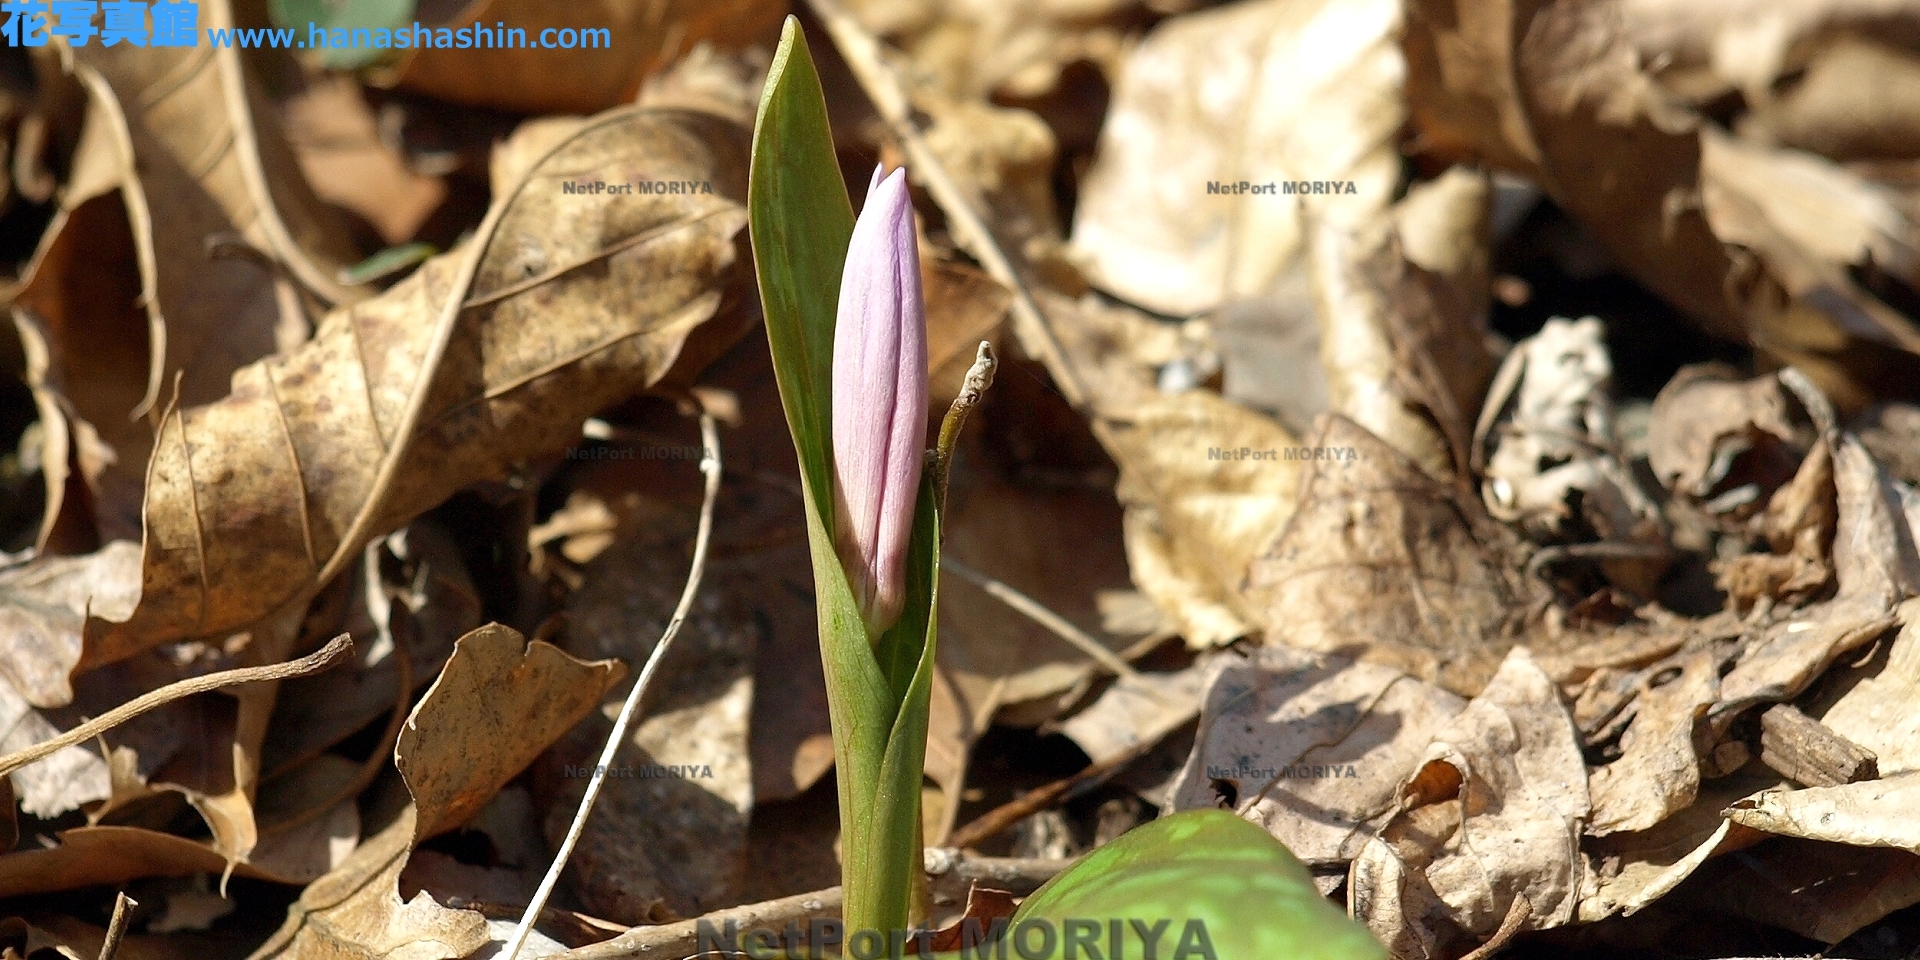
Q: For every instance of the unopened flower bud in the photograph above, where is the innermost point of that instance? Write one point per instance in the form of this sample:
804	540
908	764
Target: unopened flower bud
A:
879	400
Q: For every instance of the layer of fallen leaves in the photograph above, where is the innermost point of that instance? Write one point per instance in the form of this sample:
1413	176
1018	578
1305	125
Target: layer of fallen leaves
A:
1261	513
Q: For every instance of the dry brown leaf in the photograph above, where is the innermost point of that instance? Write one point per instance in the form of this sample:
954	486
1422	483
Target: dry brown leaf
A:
1559	93
430	602
1625	872
1402	303
1312	748
1877	712
1510	767
336	136
1658	771
1273	92
667	838
1822	891
249	498
498	703
640	40
1823	110
89	856
1726	444
1381	563
355	912
1874	562
1139	711
126	280
42	606
1553	92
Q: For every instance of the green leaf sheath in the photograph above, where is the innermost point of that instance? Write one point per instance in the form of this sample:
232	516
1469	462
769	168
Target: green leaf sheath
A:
801	221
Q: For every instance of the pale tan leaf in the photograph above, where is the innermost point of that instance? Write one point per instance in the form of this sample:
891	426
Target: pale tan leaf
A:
1871	813
1273	92
355	912
1312	748
1511	765
1384	564
498	703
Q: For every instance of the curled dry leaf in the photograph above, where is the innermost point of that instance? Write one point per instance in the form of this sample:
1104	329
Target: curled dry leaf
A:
1658	770
92	856
1492	815
1726	445
1312	748
1875	565
1625	872
1269	93
142	275
577	300
498	702
1559	93
1401	299
1547	431
1871	813
1382	563
620	45
1551	91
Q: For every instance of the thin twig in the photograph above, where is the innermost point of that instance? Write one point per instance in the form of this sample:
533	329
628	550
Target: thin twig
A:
710	466
867	59
314	662
951	872
1037	612
1518	912
117	927
972	389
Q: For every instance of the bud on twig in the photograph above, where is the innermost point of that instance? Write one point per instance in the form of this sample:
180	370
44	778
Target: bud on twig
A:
879	400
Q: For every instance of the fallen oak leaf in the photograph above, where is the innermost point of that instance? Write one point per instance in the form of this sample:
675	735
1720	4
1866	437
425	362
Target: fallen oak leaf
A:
498	703
257	499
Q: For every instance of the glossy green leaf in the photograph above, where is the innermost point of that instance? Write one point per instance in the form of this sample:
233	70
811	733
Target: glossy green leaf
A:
1225	888
800	222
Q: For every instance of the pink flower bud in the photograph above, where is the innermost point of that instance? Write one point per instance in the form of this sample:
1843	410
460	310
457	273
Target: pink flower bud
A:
879	399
